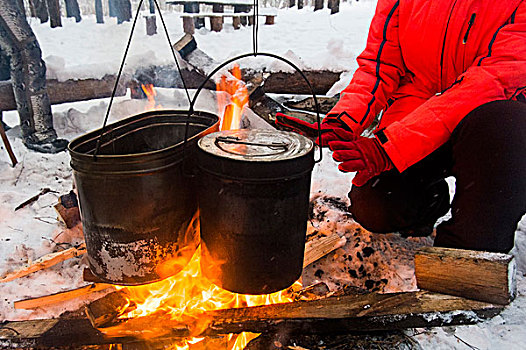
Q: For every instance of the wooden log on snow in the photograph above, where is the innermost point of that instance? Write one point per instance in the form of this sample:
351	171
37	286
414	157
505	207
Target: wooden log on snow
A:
67	91
44	262
293	83
43	301
357	313
483	276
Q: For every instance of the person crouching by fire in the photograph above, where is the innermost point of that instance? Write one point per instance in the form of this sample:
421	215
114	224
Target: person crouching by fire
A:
450	78
28	77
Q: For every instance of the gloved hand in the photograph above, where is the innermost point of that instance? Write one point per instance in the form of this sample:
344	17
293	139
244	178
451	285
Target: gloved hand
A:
331	130
363	155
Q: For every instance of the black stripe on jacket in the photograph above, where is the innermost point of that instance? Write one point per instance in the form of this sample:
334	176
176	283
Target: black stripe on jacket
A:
378	79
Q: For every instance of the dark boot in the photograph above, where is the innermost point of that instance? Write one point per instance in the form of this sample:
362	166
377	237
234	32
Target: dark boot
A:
50	146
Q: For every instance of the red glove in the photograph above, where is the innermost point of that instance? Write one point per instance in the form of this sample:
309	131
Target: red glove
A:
331	130
363	155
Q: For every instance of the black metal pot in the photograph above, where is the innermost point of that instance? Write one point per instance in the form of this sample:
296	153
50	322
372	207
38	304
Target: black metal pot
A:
253	205
135	201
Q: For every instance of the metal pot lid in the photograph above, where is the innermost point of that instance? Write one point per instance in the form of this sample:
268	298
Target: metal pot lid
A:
256	145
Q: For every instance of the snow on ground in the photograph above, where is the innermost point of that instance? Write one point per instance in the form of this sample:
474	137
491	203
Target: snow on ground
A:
313	40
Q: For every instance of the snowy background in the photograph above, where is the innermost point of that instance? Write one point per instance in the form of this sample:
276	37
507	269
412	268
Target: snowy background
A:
313	40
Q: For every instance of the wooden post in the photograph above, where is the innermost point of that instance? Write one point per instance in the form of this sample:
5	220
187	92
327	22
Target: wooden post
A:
151	25
7	144
193	7
39	10
250	20
318	5
269	20
241	9
334	6
188	25
73	10
300	4
216	23
54	13
98	11
236	22
483	276
152	7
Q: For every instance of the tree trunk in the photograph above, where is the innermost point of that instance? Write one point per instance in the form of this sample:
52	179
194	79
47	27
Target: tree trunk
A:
300	4
54	13
39	10
335	6
21	6
98	11
73	10
292	3
123	11
112	6
318	5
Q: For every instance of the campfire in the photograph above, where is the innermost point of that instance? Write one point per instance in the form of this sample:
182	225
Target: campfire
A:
186	297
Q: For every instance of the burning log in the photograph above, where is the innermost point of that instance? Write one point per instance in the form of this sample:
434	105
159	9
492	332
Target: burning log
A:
67	209
55	298
483	276
45	262
105	310
67	91
356	313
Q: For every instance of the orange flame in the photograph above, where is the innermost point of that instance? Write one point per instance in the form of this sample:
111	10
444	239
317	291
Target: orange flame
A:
232	109
150	93
182	300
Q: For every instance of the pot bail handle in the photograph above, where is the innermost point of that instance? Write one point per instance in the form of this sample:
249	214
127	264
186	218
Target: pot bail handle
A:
104	132
254	54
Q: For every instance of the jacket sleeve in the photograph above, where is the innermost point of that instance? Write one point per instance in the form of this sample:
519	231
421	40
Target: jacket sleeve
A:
379	72
497	75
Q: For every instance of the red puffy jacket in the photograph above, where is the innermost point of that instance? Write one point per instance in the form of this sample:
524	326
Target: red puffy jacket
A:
428	64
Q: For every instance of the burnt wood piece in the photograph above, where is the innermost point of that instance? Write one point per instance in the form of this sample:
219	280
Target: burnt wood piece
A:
357	313
151	25
59	297
34	198
318	5
104	311
67	91
264	106
293	83
99	14
483	276
67	209
7	145
307	104
53	7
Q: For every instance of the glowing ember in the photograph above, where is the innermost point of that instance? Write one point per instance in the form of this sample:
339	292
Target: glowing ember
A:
182	300
150	93
232	109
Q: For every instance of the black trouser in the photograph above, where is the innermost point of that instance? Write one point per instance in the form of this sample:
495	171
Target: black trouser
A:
487	155
28	74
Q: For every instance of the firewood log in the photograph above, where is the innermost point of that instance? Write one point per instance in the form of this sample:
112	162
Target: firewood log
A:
44	262
67	209
55	298
105	310
483	276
